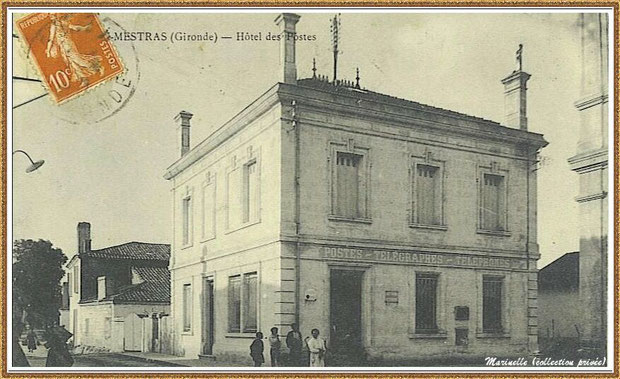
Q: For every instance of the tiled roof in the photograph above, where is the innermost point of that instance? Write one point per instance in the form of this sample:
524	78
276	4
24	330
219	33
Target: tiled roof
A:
154	289
363	93
132	250
153	274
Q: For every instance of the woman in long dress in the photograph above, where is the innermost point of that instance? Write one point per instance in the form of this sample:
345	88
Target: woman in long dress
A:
60	43
317	347
31	340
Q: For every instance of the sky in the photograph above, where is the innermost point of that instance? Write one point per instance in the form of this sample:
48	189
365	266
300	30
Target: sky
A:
110	173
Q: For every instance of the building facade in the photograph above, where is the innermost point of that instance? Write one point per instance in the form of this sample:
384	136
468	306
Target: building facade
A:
591	163
397	229
111	289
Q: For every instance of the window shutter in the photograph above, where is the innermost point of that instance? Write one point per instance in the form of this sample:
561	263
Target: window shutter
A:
234	304
187	307
250	301
492	202
347	185
427	195
426	303
492	305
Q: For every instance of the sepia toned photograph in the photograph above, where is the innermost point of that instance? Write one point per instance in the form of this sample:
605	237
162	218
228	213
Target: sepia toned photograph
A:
310	190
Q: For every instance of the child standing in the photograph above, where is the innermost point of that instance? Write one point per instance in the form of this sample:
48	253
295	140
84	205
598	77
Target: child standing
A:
256	350
274	344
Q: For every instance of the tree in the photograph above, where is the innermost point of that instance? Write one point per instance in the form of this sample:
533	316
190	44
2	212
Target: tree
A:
37	271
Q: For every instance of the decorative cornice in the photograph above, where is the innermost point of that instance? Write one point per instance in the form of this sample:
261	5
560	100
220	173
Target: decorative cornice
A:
590	101
516	80
589	160
591	197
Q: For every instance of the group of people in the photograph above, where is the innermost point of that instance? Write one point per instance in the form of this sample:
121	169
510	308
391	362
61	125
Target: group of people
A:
302	352
56	337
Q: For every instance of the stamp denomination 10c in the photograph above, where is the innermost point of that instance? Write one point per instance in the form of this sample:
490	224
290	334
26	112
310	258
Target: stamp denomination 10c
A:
71	51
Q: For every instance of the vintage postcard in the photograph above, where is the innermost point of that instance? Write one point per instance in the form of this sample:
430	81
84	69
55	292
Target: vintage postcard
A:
310	190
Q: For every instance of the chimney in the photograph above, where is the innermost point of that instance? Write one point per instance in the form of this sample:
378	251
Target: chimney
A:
83	236
101	288
182	120
288	67
515	99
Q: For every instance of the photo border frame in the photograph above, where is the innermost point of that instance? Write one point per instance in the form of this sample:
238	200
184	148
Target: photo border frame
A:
355	4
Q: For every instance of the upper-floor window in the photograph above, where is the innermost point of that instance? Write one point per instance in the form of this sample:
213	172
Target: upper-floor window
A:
69	284
349	166
76	279
243	192
348	192
208	209
187	220
427	195
492	203
250	192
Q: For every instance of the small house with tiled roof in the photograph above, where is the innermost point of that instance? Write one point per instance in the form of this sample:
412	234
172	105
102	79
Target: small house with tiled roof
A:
111	290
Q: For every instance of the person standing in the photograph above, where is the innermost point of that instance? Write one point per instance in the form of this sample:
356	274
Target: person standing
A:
18	357
31	340
317	347
274	344
58	354
256	350
294	342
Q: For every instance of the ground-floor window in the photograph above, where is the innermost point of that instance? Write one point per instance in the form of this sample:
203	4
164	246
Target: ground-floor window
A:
492	304
107	327
187	307
242	303
426	303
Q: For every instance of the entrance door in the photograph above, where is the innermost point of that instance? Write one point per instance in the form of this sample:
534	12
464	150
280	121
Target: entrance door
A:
133	332
346	317
208	330
155	334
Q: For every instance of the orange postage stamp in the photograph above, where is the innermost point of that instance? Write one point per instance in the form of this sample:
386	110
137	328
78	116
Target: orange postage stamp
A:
71	51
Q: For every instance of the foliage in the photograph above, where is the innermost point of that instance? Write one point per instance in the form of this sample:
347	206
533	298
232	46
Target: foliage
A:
37	271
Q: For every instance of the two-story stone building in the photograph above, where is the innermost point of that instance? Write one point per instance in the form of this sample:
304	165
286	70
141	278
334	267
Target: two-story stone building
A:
397	229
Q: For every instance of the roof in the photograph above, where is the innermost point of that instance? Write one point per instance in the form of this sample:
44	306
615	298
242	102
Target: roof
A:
133	251
460	123
377	96
154	289
349	95
561	274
